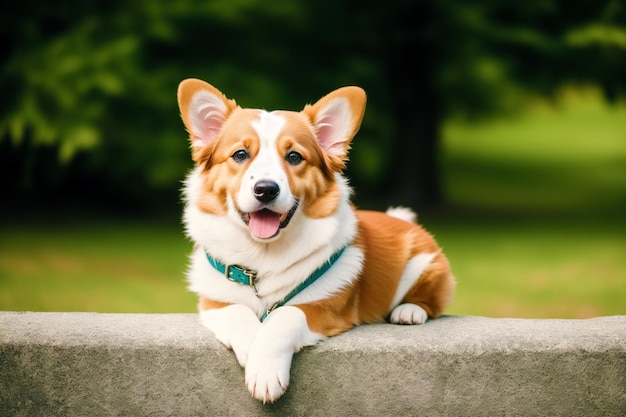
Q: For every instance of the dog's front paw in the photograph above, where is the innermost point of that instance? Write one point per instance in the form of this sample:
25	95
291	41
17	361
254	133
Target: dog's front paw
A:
408	314
267	376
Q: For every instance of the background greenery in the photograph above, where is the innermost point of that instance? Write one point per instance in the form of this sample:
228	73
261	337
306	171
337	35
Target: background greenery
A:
502	122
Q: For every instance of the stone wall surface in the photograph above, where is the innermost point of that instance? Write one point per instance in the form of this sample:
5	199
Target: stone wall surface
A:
89	364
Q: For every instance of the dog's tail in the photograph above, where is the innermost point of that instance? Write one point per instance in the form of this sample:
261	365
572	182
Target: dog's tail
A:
402	213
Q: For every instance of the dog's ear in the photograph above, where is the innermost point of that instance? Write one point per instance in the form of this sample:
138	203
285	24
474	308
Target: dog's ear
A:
204	109
336	118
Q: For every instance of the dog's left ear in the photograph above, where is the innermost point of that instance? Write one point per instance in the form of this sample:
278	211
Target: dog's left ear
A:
336	118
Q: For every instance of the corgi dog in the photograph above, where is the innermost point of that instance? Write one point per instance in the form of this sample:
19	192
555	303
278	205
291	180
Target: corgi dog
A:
281	258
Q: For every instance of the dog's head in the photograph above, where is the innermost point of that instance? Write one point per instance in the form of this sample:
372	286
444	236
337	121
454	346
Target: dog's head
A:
267	166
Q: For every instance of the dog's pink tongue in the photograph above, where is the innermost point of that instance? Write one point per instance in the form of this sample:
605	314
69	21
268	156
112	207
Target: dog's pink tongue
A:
264	224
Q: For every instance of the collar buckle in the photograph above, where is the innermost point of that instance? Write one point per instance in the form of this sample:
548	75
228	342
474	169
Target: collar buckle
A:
245	276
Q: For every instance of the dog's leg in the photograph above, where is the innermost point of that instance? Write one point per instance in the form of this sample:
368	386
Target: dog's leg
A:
284	332
236	326
428	296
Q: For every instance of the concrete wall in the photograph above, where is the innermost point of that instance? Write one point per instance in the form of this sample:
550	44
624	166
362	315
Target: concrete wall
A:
85	364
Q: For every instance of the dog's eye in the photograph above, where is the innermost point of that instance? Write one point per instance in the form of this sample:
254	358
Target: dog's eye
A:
294	158
241	155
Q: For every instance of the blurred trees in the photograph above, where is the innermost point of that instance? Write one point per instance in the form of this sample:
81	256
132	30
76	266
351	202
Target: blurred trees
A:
89	107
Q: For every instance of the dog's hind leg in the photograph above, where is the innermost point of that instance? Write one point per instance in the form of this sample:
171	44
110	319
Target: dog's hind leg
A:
428	296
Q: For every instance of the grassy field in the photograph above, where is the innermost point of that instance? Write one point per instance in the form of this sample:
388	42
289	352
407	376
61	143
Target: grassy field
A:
535	228
539	229
105	265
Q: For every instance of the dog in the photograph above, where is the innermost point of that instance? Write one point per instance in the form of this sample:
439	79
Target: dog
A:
281	257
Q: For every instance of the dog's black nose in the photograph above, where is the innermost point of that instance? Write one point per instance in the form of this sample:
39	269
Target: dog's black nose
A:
266	191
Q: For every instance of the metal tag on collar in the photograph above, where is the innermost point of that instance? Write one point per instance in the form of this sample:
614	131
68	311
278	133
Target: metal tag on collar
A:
241	275
269	310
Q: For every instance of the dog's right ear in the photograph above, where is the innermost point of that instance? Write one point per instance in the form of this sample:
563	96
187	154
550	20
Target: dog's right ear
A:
204	109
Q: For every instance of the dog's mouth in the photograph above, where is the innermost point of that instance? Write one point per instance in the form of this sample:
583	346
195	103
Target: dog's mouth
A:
265	223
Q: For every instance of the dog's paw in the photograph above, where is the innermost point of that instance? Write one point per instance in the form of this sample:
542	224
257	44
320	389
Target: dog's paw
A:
267	377
408	314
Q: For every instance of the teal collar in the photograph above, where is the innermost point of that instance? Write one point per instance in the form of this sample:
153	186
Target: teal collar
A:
247	277
234	273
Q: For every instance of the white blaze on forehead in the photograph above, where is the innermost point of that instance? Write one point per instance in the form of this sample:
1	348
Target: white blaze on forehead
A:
268	126
266	165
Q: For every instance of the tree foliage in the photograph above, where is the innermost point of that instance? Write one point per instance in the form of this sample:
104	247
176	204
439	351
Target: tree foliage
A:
89	86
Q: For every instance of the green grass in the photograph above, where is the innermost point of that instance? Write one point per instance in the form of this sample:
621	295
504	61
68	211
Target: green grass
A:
566	159
102	266
535	270
535	228
539	229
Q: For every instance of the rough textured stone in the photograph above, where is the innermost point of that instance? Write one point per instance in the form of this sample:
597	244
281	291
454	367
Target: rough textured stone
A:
87	364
